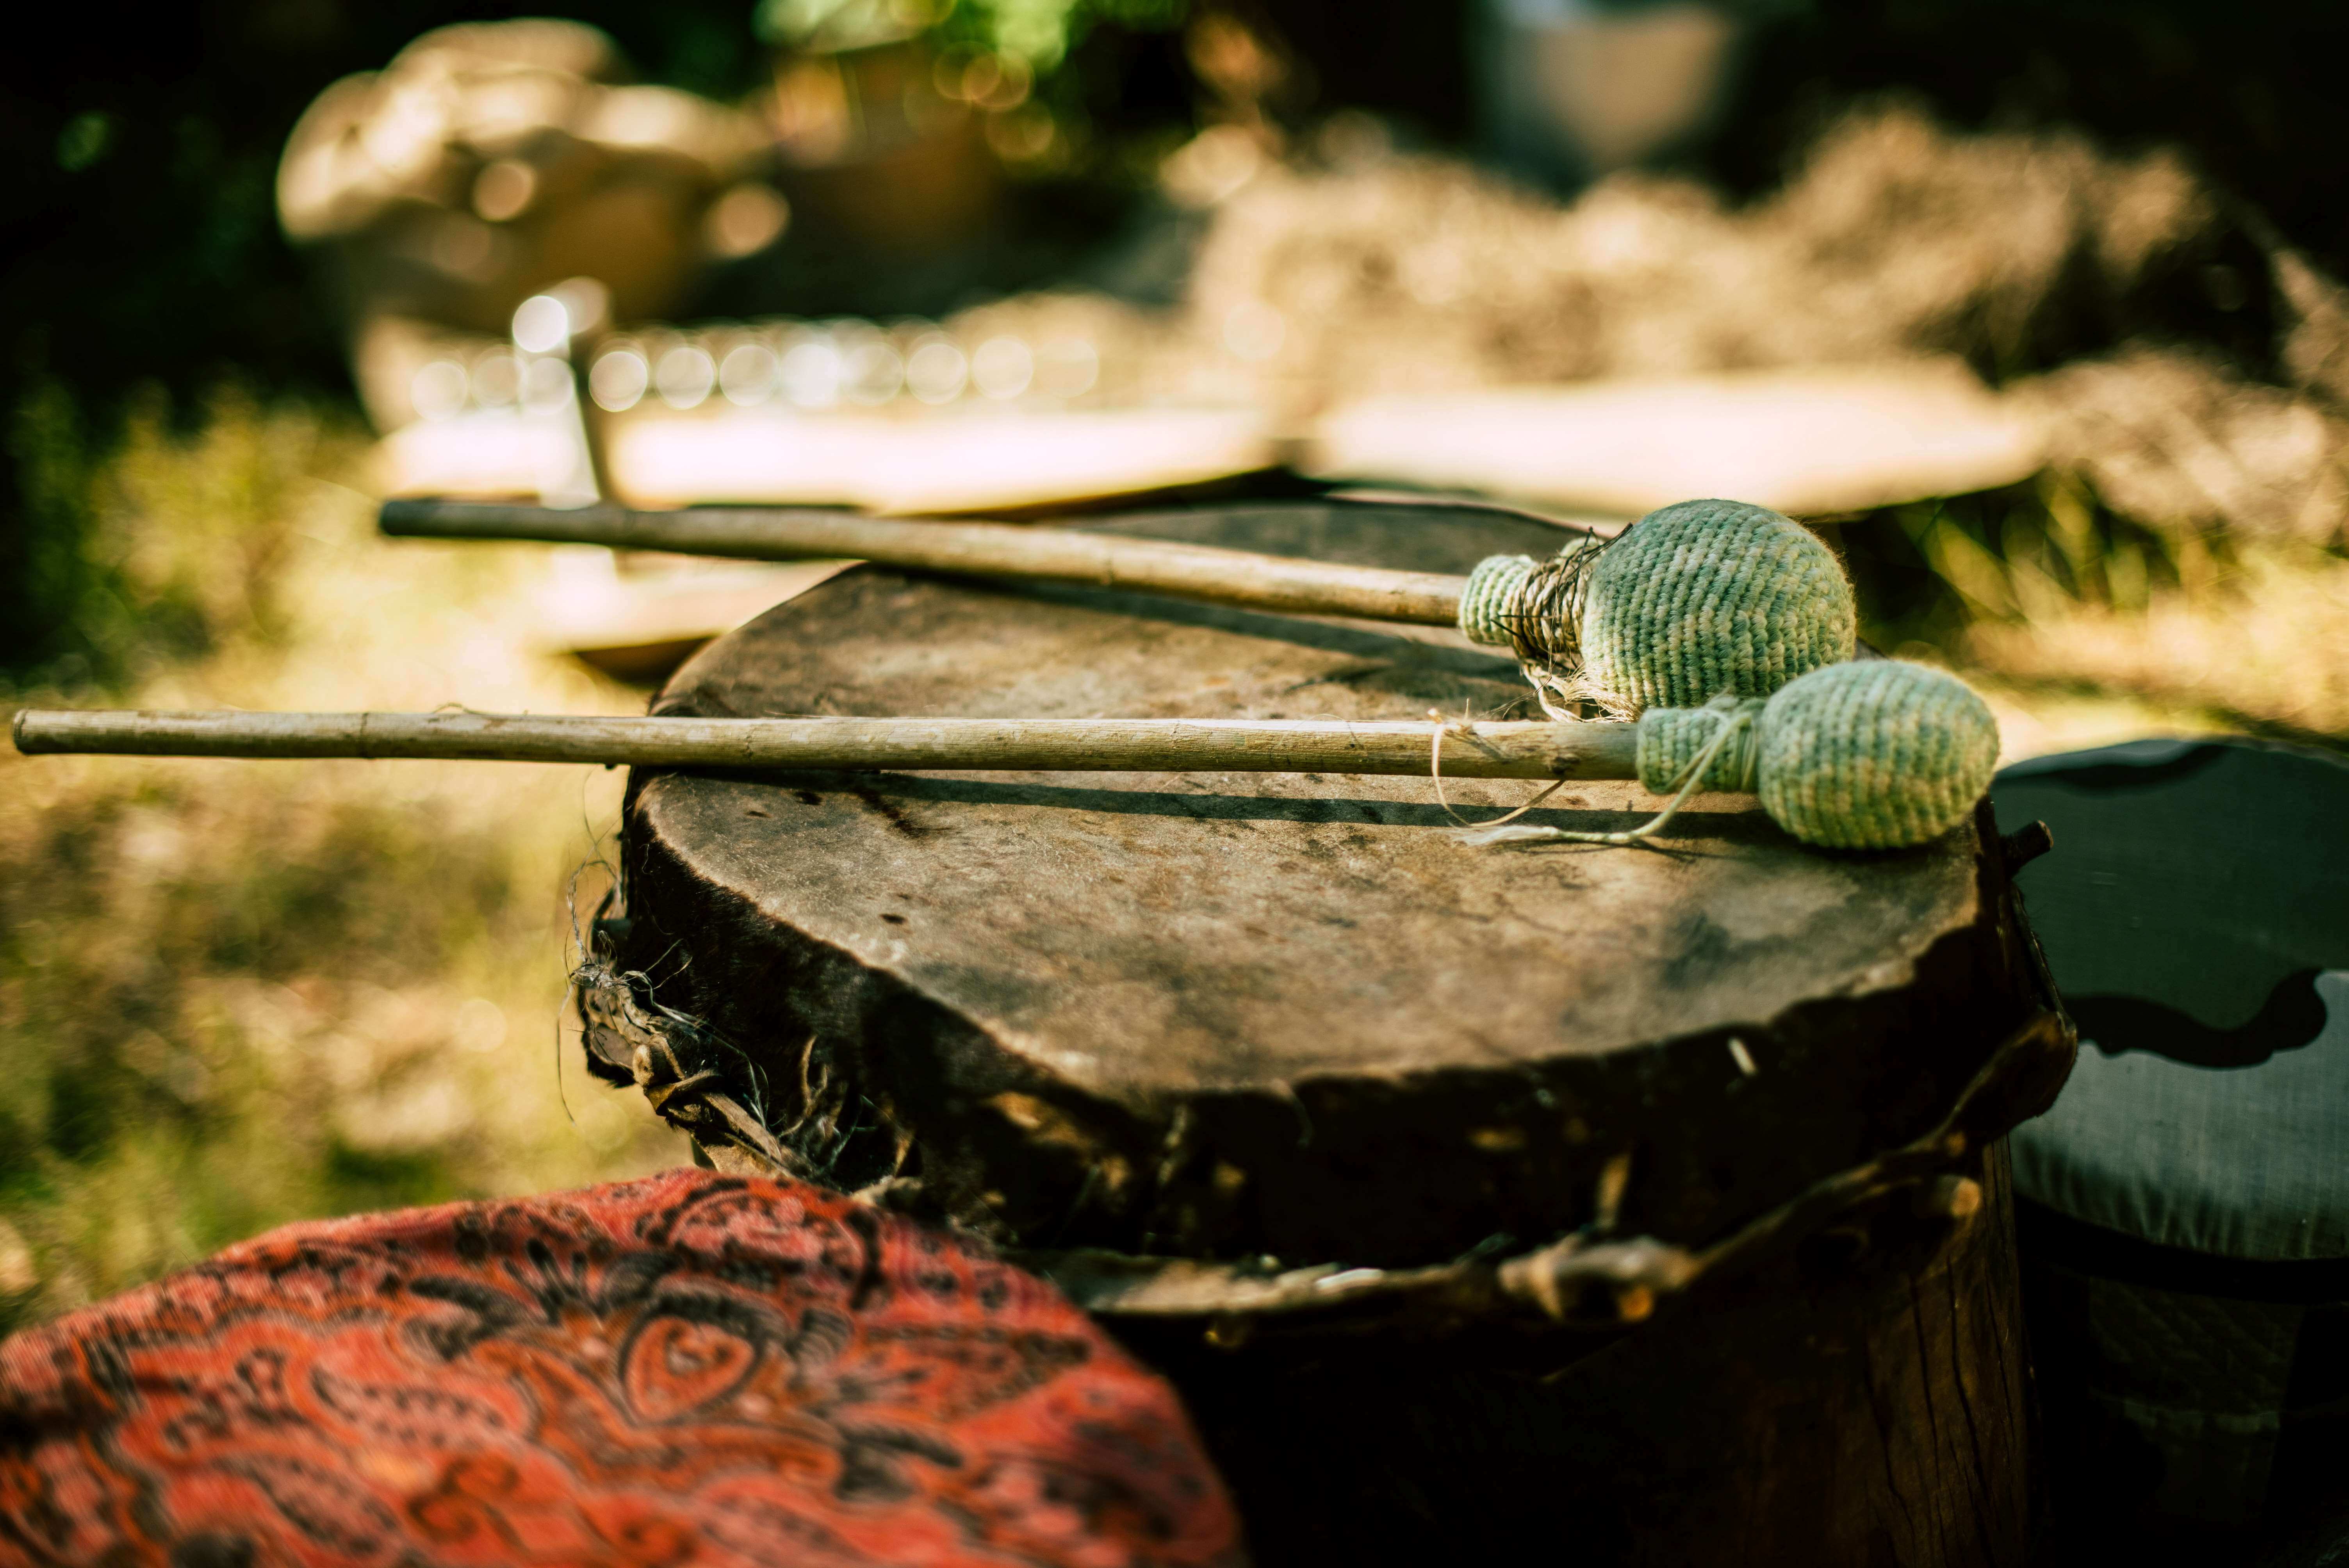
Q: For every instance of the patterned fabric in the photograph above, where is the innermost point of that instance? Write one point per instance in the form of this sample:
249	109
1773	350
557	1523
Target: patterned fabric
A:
2199	1383
690	1369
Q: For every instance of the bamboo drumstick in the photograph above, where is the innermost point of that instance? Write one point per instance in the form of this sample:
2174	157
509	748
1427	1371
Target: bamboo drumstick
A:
1860	756
1513	749
975	549
1695	599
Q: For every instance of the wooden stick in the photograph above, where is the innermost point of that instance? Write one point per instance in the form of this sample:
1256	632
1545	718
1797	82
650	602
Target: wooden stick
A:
974	549
1513	749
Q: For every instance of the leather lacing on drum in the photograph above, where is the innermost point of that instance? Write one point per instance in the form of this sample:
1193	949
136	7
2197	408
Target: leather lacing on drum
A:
1590	1279
629	1031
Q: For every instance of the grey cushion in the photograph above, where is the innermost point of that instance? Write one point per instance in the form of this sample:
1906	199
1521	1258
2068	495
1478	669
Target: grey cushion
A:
2195	913
2194	1173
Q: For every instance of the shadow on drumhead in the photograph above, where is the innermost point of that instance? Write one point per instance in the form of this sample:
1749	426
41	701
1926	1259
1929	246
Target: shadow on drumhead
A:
1431	534
1361	640
872	790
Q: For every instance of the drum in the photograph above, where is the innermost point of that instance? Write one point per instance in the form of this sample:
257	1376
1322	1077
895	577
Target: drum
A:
1641	1204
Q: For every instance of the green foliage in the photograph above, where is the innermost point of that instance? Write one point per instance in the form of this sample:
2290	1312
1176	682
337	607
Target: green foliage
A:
163	549
1929	572
1043	32
233	996
149	935
85	140
51	586
1039	33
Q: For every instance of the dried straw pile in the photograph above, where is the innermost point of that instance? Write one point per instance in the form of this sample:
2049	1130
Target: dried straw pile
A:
1893	240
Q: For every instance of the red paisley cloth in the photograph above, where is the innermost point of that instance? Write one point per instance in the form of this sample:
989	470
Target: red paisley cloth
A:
690	1369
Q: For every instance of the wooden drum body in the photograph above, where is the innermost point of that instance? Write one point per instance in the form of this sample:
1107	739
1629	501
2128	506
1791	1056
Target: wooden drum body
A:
1637	1205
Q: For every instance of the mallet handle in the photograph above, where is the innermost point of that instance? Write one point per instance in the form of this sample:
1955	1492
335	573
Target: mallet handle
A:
1514	749
974	549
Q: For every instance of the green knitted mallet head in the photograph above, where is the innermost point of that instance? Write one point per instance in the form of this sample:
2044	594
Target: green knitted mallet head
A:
1864	755
1695	599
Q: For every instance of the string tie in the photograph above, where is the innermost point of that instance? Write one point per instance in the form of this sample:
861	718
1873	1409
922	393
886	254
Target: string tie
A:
1871	754
1714	746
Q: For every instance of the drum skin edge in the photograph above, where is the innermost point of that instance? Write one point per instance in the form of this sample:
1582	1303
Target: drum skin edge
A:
1073	1142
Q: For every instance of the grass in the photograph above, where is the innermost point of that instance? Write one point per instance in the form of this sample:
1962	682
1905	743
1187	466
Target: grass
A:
2084	626
234	994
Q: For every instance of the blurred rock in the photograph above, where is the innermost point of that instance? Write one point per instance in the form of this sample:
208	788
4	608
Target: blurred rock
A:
489	160
1574	90
886	144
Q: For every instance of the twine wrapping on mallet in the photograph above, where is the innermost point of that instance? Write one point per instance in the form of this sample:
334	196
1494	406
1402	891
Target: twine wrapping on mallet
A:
1695	599
1534	608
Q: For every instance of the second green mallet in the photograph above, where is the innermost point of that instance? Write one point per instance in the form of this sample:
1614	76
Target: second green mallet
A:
1694	600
